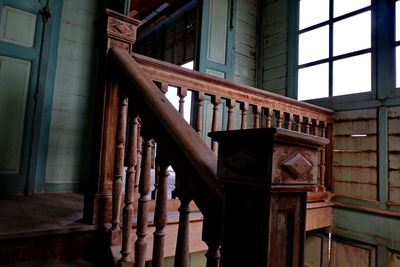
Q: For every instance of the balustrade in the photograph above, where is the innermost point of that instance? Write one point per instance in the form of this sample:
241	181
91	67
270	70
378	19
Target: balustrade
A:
146	122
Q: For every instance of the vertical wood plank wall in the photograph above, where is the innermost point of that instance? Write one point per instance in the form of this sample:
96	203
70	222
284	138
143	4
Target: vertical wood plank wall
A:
275	46
394	155
70	138
355	155
245	42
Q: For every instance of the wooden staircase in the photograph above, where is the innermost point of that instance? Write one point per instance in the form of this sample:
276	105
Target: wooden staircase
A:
139	130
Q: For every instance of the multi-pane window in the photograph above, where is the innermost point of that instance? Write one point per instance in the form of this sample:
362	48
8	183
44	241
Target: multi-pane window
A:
335	49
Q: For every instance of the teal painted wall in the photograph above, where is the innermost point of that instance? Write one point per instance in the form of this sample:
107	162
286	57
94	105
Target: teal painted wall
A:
69	144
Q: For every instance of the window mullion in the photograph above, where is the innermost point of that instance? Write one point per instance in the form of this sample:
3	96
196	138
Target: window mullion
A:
383	47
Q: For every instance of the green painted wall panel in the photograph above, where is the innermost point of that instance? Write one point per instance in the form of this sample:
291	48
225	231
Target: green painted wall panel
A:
17	26
14	76
245	42
217	31
275	46
312	250
368	227
71	121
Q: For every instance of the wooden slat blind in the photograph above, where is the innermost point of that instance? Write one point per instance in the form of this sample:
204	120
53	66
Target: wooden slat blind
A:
172	41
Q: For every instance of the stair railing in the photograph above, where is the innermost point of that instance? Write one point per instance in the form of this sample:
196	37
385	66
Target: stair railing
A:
138	122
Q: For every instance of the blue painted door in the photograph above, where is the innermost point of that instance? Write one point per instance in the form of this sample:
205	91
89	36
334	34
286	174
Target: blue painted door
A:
21	34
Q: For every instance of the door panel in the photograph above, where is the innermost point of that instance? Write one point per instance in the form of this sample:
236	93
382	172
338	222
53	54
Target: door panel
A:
17	26
14	76
21	28
217	35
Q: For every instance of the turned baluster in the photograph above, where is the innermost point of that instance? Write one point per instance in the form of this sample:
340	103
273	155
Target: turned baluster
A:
156	174
323	159
142	217
182	244
160	216
316	128
308	122
118	171
199	113
244	107
299	122
182	93
138	162
215	100
268	119
129	194
164	87
278	115
231	105
213	254
289	118
257	112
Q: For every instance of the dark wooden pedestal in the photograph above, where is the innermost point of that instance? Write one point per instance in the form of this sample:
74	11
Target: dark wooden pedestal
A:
266	174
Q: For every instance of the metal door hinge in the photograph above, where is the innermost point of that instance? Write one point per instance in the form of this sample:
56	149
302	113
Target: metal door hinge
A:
45	12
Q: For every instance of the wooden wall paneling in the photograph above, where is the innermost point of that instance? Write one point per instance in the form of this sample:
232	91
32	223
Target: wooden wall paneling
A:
348	254
275	46
245	42
73	95
355	160
316	249
393	146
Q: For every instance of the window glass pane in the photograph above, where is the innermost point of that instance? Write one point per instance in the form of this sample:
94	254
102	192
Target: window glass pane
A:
314	45
313	82
352	75
341	7
352	34
397	20
397	66
313	12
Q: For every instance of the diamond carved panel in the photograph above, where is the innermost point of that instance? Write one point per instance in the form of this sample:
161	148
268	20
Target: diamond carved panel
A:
297	165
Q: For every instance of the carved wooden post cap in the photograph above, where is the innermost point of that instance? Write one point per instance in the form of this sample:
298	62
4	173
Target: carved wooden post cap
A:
120	30
275	158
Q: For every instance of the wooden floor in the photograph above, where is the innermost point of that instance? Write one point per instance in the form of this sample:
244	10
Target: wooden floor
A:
40	212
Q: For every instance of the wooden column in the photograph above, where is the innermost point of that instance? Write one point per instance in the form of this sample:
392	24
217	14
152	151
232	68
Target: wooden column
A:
266	174
120	31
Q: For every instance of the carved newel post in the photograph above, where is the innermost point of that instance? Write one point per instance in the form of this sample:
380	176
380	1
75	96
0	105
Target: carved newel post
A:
266	174
115	30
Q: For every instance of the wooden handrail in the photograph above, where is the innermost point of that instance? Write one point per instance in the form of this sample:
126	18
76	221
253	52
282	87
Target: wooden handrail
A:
174	75
183	135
